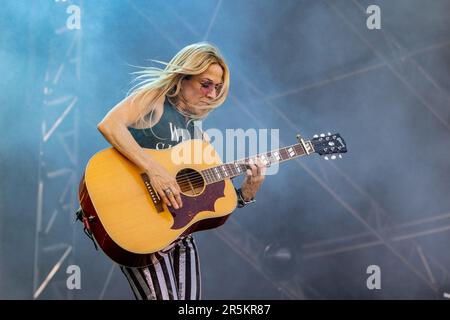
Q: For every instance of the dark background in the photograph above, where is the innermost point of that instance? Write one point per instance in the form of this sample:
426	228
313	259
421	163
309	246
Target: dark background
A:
304	67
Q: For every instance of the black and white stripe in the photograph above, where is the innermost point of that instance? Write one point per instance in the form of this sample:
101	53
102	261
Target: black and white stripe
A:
173	275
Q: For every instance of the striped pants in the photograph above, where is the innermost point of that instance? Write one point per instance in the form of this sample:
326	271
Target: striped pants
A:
173	275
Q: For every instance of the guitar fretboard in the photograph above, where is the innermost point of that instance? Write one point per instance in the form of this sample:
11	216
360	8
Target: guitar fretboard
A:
236	168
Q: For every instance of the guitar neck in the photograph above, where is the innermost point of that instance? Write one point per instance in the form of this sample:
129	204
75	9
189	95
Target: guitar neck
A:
239	167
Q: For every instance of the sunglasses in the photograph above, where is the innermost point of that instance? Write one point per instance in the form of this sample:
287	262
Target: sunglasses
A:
207	86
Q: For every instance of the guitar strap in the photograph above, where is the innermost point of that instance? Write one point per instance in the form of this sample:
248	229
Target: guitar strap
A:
87	230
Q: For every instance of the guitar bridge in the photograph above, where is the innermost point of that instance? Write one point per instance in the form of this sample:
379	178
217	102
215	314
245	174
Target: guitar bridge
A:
153	194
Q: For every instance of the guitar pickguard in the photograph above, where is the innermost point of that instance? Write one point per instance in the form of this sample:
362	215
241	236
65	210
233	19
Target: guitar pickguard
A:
193	205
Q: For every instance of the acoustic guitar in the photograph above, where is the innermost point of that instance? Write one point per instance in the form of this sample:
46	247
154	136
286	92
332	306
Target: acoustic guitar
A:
123	213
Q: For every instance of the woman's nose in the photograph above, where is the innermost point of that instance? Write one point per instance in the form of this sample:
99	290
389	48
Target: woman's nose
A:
211	94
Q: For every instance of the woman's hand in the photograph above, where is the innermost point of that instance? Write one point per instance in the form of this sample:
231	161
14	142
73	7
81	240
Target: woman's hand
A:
253	179
166	185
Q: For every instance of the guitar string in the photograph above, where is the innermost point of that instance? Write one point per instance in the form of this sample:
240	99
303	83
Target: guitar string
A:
187	175
242	163
229	166
196	179
246	161
184	178
233	165
195	175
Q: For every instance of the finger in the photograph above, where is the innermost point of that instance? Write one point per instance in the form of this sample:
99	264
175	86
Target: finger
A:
261	167
177	194
154	180
263	171
173	201
249	173
254	170
178	200
163	197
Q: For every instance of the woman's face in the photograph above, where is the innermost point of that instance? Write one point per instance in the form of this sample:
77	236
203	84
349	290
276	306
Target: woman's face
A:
201	89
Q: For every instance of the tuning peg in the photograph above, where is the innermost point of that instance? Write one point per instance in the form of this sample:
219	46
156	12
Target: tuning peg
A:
329	133
340	156
322	135
315	136
333	157
326	158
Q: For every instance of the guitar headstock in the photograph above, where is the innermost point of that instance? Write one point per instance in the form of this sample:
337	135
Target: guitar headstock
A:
331	144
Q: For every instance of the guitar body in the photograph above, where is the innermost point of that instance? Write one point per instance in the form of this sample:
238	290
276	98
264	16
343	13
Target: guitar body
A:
120	208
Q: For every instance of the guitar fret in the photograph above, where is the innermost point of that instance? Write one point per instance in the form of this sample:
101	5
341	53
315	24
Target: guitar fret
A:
238	167
206	174
217	172
224	171
227	171
230	170
299	149
264	159
211	175
272	158
233	170
277	155
291	152
284	154
269	159
242	167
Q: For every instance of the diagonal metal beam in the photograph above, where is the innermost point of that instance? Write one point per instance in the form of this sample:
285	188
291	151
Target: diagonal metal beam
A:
422	71
52	273
345	244
213	19
396	70
46	177
155	26
338	77
355	214
243	243
107	281
352	211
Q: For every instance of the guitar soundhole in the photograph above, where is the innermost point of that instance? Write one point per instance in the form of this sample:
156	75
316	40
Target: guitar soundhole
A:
191	182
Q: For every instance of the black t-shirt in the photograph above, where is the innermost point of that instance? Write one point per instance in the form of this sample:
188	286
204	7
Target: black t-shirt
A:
171	129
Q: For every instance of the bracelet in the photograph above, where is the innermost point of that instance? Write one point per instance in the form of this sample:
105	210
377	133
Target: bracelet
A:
241	202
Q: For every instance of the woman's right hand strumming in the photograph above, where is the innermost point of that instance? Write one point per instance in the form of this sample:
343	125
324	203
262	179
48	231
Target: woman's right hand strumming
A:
114	128
165	184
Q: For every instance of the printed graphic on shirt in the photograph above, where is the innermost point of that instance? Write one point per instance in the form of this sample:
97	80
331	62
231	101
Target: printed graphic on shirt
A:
177	135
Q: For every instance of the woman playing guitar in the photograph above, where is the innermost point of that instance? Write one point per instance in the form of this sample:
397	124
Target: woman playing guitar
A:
159	114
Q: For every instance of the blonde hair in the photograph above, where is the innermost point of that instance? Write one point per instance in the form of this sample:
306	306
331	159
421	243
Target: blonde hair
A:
191	60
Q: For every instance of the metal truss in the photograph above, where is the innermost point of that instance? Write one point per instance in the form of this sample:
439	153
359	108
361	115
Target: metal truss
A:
58	163
400	240
251	250
408	71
